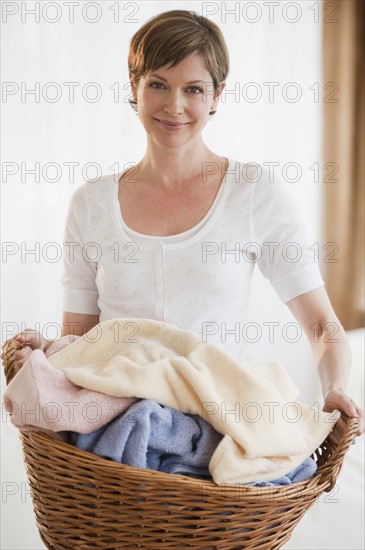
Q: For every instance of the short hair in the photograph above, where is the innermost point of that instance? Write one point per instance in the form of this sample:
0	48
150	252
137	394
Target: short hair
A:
170	37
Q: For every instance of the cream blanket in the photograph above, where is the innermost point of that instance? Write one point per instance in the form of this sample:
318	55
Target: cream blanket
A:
267	433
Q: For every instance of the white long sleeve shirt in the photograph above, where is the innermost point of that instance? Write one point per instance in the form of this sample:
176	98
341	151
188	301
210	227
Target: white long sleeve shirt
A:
197	279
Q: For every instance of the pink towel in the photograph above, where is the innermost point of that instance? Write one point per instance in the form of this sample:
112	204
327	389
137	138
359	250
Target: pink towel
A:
40	397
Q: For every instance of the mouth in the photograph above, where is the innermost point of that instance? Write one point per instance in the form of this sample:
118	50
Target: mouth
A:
172	125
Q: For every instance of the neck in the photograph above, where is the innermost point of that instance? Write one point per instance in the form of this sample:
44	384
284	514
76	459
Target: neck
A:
169	166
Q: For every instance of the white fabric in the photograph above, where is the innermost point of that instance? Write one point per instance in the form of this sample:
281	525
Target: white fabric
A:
198	280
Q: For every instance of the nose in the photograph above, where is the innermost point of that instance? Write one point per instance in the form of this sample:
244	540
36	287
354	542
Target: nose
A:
174	104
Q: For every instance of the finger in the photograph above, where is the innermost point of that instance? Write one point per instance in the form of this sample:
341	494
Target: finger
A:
22	353
17	365
341	424
31	338
330	406
28	332
20	358
26	336
333	438
343	403
338	430
336	434
360	417
350	408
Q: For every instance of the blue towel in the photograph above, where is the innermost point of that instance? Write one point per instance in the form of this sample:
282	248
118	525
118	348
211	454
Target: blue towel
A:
149	435
304	471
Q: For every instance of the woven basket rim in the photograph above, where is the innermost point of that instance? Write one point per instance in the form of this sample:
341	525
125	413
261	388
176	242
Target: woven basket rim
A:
92	460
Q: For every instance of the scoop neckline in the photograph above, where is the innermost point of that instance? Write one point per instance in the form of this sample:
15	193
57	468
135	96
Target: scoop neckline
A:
179	239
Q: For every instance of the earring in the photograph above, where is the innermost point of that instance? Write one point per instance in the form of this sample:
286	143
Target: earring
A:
212	111
133	103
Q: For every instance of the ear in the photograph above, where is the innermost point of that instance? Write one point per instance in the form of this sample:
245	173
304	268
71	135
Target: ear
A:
217	94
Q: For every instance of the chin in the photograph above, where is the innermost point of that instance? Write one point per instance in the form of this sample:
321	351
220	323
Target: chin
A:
172	140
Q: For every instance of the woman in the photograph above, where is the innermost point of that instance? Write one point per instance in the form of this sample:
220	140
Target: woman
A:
176	237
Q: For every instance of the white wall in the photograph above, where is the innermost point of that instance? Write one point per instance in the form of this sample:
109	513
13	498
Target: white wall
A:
107	132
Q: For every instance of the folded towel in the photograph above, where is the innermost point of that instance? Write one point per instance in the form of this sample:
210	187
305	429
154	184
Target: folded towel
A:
266	432
149	435
42	398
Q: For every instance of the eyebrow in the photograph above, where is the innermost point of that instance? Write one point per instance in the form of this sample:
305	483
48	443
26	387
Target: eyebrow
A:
164	79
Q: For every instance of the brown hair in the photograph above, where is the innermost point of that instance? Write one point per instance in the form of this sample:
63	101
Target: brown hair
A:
170	37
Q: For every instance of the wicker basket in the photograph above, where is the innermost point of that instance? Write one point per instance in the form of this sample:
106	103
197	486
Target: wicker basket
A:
83	501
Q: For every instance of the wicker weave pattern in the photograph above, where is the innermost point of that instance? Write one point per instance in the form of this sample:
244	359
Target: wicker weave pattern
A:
83	501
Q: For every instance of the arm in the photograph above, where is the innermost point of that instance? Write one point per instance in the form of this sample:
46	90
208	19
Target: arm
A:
331	350
78	323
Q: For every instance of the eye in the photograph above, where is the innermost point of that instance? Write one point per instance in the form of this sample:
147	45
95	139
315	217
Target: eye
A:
195	90
156	85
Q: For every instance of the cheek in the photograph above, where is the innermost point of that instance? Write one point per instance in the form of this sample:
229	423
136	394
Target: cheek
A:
201	109
149	102
205	106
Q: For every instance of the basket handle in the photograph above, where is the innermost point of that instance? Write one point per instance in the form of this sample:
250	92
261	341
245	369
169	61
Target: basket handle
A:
335	461
9	348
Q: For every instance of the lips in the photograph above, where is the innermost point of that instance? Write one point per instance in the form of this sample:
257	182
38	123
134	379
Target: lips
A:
172	125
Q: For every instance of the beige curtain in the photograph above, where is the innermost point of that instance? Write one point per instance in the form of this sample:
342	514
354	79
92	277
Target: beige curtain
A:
344	147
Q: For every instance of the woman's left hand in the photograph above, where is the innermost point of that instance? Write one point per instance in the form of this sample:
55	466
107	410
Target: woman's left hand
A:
336	399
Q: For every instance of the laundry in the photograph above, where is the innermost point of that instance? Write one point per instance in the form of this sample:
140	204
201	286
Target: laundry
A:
41	397
266	432
146	435
149	435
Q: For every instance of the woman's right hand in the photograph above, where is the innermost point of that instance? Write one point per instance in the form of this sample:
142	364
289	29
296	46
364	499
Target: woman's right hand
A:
31	340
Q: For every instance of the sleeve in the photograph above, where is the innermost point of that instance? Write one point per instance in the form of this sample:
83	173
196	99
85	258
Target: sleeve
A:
285	255
80	294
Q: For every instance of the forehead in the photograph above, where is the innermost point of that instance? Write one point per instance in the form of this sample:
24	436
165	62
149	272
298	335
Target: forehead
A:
191	68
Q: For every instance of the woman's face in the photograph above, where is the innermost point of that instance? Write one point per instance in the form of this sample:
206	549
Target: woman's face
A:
174	102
